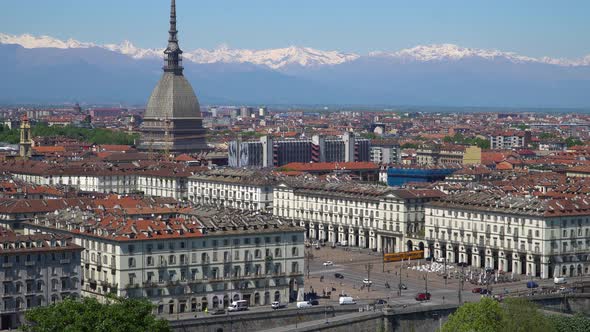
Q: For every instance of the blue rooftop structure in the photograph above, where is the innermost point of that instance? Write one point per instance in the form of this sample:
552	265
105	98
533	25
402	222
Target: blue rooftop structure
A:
398	176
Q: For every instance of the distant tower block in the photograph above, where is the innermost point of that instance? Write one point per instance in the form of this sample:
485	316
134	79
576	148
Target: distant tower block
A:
25	138
172	120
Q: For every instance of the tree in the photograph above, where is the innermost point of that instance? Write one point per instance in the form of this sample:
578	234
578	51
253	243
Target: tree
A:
570	141
577	323
484	316
88	315
521	315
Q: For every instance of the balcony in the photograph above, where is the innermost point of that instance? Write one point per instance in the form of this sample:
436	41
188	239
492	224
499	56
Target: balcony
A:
67	261
6	265
29	263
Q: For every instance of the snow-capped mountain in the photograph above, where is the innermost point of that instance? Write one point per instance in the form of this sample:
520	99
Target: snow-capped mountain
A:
293	55
445	52
30	41
44	69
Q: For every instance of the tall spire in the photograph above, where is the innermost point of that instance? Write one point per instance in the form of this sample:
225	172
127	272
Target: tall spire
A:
173	51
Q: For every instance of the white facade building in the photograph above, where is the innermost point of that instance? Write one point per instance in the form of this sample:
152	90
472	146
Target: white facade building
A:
206	260
35	271
234	188
529	236
367	216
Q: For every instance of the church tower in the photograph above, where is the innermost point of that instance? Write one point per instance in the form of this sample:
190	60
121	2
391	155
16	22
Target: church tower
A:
172	121
25	138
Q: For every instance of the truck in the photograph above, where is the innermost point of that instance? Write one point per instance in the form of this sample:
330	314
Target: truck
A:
238	305
346	300
278	305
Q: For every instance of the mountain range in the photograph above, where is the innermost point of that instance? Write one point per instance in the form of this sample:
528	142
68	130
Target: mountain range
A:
46	69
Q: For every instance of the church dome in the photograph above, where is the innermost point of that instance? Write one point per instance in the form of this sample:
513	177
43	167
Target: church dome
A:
173	98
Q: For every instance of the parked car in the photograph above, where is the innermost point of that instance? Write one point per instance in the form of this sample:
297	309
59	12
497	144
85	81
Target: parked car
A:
559	280
422	296
380	301
403	286
278	305
328	263
219	311
367	281
484	291
314	302
532	284
338	276
303	305
476	290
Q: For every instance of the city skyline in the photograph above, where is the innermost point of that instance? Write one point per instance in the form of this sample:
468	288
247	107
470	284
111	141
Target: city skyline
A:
534	29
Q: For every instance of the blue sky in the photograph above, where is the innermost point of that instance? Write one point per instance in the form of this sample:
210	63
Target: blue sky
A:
534	28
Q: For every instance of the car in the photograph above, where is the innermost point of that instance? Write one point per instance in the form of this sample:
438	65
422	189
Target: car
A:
314	302
402	286
559	280
278	305
380	301
338	276
367	281
440	260
328	263
422	296
219	311
484	291
476	290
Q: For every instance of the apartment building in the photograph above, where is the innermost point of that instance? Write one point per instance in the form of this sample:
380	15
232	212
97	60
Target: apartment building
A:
163	179
363	215
233	188
35	270
273	152
204	259
520	235
508	140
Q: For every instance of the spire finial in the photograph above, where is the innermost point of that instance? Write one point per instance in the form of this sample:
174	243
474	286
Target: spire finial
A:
173	51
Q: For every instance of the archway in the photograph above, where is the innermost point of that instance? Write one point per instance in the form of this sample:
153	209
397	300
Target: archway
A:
421	246
171	307
215	301
292	290
226	301
257	298
469	254
236	297
579	269
204	303
410	245
572	269
564	270
277	296
266	298
193	304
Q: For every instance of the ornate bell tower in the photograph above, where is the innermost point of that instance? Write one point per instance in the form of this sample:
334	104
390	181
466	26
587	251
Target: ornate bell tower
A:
25	138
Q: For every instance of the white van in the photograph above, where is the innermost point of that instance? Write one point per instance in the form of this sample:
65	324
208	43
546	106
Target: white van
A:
346	300
559	280
238	305
304	304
